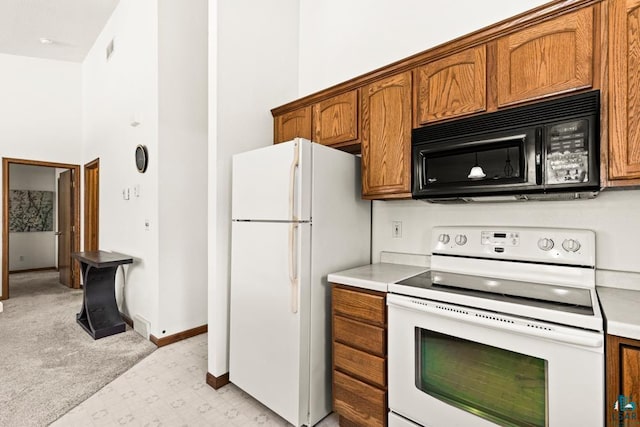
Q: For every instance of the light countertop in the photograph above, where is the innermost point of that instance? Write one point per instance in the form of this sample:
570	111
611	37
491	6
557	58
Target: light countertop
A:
619	293
621	309
375	277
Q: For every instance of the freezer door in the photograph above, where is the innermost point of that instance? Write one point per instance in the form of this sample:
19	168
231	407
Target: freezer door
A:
269	325
273	183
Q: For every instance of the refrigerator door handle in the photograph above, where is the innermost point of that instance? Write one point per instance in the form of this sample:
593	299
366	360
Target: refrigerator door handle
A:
293	263
292	181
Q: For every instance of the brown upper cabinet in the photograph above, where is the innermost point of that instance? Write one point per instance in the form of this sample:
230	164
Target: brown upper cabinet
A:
624	92
386	138
335	120
452	86
291	125
560	47
546	59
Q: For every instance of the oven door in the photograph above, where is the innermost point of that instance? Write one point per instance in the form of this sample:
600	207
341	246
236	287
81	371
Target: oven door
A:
487	164
454	366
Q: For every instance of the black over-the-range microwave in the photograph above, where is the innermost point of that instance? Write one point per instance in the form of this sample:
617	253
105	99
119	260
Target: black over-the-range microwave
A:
546	150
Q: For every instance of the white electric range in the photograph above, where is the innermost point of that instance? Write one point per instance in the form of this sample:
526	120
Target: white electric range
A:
504	329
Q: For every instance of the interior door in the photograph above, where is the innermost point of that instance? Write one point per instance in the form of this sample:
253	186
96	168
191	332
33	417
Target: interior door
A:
91	205
65	228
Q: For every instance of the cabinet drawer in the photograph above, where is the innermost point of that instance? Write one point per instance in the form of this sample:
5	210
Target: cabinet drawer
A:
359	305
360	335
363	365
358	402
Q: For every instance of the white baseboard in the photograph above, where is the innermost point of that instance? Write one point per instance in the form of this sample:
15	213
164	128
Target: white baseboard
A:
141	325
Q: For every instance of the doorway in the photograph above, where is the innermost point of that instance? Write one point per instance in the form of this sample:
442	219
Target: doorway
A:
91	205
71	225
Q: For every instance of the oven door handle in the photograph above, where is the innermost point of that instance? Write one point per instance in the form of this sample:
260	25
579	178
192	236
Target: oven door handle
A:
563	337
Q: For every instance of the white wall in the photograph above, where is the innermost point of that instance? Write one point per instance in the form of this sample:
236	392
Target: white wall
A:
36	249
156	76
182	160
253	67
613	215
40	106
341	39
114	92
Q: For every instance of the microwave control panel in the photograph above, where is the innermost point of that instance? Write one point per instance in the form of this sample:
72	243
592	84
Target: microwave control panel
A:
567	159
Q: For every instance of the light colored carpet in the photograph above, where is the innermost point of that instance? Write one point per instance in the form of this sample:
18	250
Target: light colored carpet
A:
48	363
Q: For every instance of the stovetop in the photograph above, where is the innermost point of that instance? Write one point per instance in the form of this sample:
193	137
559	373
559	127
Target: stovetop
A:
552	297
543	274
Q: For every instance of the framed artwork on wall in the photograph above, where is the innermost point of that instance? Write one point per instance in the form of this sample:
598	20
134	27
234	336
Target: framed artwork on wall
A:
30	211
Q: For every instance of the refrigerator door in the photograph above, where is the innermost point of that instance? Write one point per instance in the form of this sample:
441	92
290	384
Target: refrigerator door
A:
269	324
273	183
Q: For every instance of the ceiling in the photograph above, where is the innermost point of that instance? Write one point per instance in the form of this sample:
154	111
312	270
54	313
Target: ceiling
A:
72	26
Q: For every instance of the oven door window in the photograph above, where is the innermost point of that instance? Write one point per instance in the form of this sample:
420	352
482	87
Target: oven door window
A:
496	161
502	386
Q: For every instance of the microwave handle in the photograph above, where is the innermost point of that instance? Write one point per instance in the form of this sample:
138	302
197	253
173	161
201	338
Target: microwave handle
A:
538	156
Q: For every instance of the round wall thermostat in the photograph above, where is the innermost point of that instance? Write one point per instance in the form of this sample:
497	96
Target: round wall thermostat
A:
142	158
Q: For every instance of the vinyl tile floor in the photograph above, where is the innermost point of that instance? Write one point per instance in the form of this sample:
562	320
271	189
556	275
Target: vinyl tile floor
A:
168	388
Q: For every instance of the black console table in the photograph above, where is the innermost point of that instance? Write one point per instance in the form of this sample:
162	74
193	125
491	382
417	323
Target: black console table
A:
99	315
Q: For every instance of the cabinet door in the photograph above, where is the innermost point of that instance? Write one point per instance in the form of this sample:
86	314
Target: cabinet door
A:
623	381
335	120
624	87
292	125
630	370
549	58
452	86
386	138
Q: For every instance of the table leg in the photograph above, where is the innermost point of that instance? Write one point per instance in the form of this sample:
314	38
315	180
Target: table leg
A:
99	315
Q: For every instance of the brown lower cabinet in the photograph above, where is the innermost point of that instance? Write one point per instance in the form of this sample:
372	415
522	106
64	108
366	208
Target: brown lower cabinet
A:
623	382
359	335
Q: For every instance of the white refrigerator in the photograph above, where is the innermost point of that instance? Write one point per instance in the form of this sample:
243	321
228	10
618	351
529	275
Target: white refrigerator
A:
297	215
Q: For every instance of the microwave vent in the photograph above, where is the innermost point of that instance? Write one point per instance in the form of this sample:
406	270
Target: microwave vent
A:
540	112
546	197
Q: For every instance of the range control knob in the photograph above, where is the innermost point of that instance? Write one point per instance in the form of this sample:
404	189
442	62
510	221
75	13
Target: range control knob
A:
443	238
461	239
571	245
545	244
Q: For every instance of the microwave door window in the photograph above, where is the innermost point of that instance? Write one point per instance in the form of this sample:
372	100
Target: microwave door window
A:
484	164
